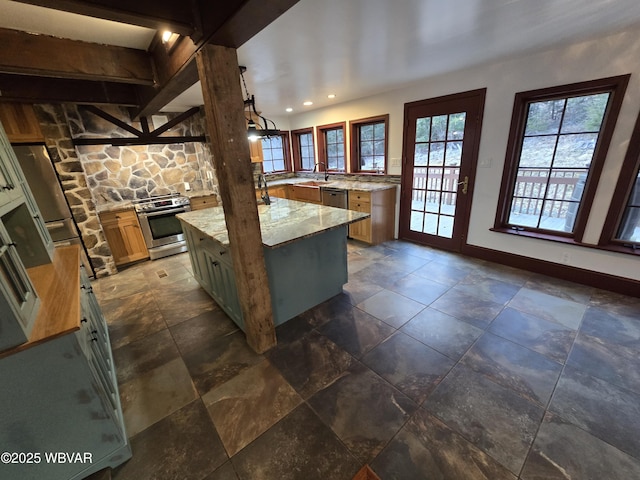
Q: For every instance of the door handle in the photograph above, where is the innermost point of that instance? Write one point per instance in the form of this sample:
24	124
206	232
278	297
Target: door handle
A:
465	184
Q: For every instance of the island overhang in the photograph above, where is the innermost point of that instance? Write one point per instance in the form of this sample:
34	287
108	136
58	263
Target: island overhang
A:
282	222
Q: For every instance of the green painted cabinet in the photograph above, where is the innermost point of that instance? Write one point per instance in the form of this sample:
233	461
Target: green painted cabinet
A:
24	243
222	280
301	274
62	396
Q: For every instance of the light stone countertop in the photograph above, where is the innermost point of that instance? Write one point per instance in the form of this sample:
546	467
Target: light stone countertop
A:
282	222
344	184
114	206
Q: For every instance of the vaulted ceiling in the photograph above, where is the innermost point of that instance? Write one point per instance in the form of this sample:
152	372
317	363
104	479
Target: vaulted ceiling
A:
109	51
60	66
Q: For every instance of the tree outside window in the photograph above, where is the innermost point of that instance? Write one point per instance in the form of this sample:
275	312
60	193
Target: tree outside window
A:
303	149
275	153
557	145
331	146
369	144
621	231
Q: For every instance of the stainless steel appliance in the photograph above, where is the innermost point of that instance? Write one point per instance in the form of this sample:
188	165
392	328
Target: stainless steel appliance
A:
334	197
161	229
45	186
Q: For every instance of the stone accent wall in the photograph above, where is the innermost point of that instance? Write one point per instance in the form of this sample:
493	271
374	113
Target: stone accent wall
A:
116	174
53	123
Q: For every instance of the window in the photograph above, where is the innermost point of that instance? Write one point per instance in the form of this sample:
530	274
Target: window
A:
369	144
622	228
303	149
331	146
275	154
557	145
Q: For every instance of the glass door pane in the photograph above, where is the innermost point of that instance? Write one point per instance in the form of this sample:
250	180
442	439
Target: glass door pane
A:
436	173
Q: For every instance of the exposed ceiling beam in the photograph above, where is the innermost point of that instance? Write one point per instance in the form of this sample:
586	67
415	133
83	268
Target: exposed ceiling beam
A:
169	70
176	69
179	17
29	89
246	21
45	56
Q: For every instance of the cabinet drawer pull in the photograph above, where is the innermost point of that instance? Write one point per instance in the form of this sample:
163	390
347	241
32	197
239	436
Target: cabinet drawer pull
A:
84	320
222	252
215	263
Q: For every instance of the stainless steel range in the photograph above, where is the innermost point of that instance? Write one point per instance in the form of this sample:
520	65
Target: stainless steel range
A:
160	227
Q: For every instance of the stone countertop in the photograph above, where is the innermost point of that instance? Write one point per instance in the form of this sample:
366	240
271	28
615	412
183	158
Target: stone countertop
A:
128	204
282	222
344	184
114	206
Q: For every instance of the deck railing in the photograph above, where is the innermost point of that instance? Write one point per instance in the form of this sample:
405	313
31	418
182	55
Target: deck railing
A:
533	185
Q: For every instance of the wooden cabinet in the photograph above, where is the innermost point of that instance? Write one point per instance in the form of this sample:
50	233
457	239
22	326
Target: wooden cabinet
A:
381	204
200	203
279	191
304	193
20	122
256	151
64	394
124	236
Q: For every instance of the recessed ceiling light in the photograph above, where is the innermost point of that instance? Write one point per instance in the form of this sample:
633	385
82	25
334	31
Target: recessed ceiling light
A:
331	95
289	109
166	36
307	103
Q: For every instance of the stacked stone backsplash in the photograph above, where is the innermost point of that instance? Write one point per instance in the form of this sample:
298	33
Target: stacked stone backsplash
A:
53	123
116	174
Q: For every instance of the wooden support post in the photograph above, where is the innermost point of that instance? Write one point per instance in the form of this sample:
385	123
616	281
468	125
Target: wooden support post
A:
224	109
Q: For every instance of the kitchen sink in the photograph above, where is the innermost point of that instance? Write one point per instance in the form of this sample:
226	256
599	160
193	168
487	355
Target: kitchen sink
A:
312	183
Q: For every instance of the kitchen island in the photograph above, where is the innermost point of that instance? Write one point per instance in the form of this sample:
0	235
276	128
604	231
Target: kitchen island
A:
305	252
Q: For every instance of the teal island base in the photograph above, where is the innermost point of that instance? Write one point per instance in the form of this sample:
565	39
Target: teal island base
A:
302	273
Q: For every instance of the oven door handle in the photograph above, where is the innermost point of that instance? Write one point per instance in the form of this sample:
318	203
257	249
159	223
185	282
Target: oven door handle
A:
163	212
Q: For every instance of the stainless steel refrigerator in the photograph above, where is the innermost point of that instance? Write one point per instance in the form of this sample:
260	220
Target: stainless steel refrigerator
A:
45	186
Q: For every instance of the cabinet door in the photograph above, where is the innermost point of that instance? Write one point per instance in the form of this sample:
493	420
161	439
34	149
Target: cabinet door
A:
360	230
9	183
195	255
18	299
13	185
124	236
223	285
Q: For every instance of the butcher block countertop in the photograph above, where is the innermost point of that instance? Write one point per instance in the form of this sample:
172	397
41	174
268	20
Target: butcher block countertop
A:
58	287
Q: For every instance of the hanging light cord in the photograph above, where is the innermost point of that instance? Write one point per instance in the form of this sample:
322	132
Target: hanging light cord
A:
250	100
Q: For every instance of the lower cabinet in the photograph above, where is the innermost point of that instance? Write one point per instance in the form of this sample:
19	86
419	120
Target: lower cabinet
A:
301	274
381	204
61	413
200	203
124	236
222	281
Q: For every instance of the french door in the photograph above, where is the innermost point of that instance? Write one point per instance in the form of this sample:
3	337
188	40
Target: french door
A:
440	150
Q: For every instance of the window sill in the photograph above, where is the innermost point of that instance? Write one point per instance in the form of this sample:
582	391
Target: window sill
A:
566	240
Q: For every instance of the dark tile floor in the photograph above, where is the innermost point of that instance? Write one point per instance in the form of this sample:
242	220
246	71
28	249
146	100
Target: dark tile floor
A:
429	365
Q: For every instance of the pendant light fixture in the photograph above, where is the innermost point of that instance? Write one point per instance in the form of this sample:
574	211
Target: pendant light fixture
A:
255	130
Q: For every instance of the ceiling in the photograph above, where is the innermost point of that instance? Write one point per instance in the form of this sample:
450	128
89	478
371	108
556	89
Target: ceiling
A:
356	48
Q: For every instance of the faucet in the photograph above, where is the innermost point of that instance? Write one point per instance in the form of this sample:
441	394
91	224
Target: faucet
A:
326	175
264	193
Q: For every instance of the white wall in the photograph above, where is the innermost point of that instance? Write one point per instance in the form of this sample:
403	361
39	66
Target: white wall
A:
604	57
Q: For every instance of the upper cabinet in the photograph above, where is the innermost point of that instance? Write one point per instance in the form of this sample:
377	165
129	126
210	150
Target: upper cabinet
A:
24	243
20	123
